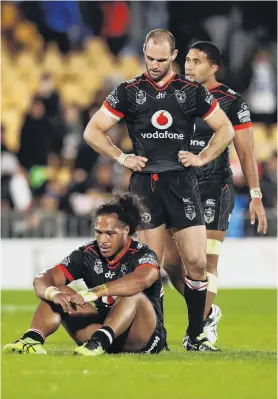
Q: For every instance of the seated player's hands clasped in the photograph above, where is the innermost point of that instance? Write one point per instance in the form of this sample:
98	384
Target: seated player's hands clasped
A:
187	159
135	163
63	300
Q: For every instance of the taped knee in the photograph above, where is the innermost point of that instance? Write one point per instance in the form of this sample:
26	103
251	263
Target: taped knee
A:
213	247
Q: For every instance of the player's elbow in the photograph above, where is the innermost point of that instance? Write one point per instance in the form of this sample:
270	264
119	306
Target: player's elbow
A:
145	281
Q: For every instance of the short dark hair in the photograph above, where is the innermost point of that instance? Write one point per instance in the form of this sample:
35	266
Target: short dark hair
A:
128	208
211	50
161	35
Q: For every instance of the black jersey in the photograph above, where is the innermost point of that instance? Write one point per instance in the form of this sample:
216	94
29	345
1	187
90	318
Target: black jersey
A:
88	264
238	112
160	120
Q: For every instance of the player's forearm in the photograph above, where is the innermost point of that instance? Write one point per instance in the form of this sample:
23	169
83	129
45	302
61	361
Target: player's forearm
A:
100	142
221	139
128	285
250	169
41	282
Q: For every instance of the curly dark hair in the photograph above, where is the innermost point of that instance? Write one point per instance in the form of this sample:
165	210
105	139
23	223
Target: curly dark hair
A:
128	208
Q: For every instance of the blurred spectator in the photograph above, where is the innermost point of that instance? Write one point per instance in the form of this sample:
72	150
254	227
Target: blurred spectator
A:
260	80
51	100
35	139
269	181
73	134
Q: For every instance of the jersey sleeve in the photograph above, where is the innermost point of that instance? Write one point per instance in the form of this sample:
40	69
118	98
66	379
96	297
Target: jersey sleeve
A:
147	259
115	103
72	266
239	114
206	104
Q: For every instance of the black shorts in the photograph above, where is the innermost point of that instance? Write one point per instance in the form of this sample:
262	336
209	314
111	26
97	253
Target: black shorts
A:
170	198
156	344
217	202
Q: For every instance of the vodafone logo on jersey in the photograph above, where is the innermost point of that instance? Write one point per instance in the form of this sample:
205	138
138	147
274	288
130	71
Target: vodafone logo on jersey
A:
162	119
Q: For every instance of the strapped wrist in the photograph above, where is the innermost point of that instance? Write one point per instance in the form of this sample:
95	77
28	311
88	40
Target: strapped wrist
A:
121	158
50	292
256	193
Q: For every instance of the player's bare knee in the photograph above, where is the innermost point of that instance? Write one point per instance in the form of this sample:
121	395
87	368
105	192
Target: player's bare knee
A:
196	261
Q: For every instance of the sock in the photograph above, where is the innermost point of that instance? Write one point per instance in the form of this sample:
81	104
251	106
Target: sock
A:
34	334
105	336
195	292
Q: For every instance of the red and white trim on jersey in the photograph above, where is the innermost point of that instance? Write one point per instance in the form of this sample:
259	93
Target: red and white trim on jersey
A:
66	272
196	285
213	108
109	111
243	126
149	265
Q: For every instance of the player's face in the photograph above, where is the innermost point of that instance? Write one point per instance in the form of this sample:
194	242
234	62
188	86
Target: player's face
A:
198	67
111	235
158	59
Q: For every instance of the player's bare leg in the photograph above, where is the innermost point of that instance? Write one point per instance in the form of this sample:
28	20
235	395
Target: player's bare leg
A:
46	320
191	243
172	262
135	312
154	238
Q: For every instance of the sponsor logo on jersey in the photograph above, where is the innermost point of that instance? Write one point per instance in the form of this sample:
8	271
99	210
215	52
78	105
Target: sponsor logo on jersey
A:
210	202
131	80
162	135
209	97
66	261
98	268
146	217
110	274
161	95
141	97
162	119
244	113
198	143
123	269
180	96
231	91
148	258
112	98
187	201
209	215
190	212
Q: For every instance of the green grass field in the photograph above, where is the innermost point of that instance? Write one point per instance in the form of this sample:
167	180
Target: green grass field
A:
245	369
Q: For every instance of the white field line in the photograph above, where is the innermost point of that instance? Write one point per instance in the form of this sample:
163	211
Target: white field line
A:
17	308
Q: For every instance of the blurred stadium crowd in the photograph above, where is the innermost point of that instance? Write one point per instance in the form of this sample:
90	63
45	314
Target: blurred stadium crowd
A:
59	61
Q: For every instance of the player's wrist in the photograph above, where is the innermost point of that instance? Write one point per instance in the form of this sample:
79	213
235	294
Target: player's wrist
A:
93	294
122	158
50	292
256	193
202	159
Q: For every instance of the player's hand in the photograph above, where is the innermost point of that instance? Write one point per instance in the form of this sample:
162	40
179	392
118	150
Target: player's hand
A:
88	295
64	301
77	299
135	163
187	159
256	208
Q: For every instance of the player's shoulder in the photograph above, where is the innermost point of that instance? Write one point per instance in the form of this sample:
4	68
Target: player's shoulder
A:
227	90
90	247
132	82
186	80
143	252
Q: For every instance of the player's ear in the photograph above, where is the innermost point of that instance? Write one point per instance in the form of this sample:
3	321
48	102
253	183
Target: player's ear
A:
174	55
214	68
126	231
144	48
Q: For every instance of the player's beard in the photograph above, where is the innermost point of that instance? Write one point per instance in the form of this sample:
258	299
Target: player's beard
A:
160	76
